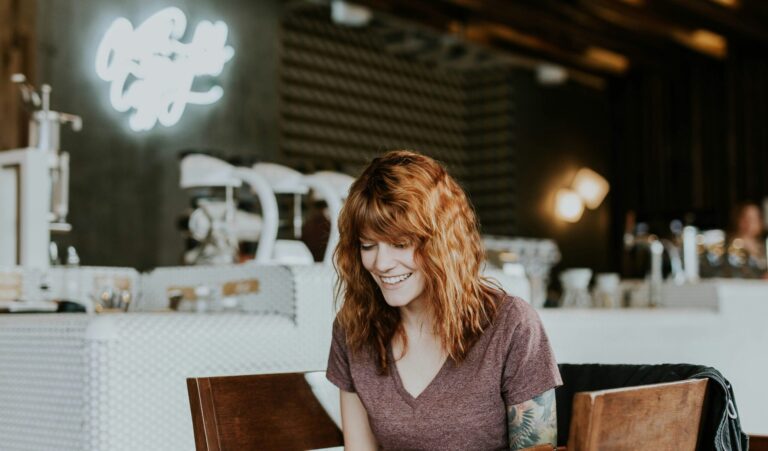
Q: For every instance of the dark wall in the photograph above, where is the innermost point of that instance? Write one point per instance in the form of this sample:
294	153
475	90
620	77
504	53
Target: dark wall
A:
691	136
690	139
125	197
559	130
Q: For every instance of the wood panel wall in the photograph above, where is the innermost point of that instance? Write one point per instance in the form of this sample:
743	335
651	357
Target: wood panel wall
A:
17	54
690	138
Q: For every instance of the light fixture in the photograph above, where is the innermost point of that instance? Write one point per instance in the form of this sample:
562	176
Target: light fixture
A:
568	205
551	74
591	187
152	72
350	15
587	190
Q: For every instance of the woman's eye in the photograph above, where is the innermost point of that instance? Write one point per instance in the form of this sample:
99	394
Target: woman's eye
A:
400	245
366	247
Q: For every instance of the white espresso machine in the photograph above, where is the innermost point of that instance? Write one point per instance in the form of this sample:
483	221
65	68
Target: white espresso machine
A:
34	184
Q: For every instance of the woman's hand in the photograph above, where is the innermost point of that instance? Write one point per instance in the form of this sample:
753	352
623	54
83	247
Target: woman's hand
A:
533	422
354	420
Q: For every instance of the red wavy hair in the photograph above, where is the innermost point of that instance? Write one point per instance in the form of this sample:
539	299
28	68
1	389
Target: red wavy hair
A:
404	196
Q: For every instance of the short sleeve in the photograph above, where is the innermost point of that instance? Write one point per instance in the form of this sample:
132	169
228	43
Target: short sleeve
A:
530	368
338	371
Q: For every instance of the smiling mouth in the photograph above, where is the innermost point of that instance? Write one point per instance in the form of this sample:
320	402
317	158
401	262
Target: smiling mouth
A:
396	279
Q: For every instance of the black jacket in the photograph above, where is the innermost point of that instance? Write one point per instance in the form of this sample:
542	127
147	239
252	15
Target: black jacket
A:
720	429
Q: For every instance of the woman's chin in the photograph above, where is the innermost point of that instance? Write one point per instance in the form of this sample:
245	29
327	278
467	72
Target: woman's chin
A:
398	301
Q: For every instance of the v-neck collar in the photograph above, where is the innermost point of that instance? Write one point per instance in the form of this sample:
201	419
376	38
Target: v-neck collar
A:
426	392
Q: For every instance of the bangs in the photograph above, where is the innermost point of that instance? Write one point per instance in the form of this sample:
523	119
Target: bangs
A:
379	221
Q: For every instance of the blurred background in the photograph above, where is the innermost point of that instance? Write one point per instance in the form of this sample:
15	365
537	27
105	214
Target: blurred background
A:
625	139
666	100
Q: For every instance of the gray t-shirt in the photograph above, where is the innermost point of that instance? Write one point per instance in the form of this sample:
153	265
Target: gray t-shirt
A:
464	407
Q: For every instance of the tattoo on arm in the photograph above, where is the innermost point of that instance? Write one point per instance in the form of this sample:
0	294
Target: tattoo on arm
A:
533	422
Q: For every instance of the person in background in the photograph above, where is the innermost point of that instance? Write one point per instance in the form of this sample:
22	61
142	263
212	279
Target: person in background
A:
428	354
746	242
316	229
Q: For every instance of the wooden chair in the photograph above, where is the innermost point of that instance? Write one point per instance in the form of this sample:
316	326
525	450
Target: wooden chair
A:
259	412
280	412
649	417
758	443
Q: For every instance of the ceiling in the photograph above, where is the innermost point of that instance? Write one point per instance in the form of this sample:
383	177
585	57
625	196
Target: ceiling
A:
594	38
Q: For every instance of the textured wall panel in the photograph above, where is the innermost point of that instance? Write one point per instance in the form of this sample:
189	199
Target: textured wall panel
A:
490	149
345	98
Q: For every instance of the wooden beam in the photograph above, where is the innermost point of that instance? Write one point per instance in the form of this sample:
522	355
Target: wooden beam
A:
732	21
496	34
454	20
644	21
560	25
648	49
512	45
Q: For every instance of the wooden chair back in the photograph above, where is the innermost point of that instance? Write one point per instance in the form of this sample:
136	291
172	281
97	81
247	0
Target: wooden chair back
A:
758	443
649	417
259	412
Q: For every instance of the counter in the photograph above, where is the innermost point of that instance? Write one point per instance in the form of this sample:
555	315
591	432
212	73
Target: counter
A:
721	323
117	381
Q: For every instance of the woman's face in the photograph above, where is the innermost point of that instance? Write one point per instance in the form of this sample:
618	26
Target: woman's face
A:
394	268
750	224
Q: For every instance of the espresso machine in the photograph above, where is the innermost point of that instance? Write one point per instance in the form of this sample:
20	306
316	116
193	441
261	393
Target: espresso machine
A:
333	188
217	225
34	183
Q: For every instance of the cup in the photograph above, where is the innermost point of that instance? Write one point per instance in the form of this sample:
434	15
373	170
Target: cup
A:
606	292
575	283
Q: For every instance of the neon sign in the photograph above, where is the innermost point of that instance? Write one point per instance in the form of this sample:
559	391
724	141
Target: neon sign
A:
152	72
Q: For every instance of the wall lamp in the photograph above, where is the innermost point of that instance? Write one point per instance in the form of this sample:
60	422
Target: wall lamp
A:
588	189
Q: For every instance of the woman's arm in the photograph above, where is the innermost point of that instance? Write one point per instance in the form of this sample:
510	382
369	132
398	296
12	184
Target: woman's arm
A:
354	420
533	422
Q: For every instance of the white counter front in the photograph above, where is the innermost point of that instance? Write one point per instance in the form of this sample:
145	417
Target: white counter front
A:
118	381
721	323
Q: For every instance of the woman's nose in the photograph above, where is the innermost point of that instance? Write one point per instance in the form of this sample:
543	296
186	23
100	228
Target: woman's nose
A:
384	259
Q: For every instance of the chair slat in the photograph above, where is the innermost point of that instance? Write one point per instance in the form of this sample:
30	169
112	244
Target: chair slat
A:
264	412
651	417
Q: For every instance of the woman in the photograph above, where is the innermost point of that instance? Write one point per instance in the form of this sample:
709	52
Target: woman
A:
426	352
746	241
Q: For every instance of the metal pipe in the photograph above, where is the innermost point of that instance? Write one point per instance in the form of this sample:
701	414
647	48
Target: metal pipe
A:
654	295
690	254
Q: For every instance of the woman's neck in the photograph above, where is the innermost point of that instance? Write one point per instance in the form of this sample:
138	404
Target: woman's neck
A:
417	322
416	317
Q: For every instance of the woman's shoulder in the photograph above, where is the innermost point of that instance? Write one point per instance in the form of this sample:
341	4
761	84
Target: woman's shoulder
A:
338	332
513	311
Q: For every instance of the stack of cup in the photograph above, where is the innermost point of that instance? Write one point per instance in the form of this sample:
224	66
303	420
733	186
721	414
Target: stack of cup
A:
606	291
575	283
